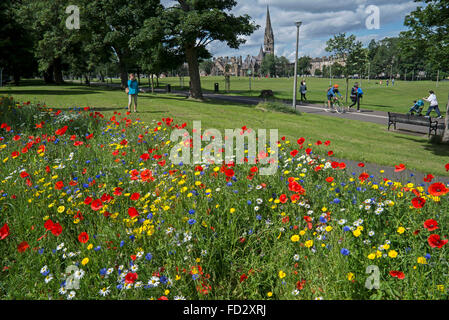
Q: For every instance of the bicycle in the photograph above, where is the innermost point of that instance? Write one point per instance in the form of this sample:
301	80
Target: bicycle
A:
336	106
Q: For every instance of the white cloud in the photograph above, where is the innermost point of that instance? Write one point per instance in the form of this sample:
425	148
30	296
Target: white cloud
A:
321	20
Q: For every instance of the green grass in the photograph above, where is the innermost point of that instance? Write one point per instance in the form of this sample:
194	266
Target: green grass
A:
397	98
350	139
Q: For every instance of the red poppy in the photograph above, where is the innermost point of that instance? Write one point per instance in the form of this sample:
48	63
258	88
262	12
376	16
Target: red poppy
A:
48	224
161	163
363	176
24	174
131	277
428	178
438	189
16	137
293	153
418	202
118	191
308	151
56	230
135	196
145	156
431	224
435	241
397	274
14	154
399	168
4	231
106	198
334	164
327	143
447	167
88	200
329	179
23	246
59	185
330	153
132	212
361	165
283	198
341	165
61	131
229	173
96	205
301	141
162	298
83	237
243	277
254	169
300	284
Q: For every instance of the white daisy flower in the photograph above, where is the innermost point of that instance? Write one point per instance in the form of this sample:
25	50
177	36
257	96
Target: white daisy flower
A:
104	292
48	278
71	295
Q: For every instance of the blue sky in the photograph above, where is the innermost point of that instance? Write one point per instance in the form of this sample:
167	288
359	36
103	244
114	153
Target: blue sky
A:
321	20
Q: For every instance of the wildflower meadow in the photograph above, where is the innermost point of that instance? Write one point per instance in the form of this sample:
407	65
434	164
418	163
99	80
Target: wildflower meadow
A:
92	208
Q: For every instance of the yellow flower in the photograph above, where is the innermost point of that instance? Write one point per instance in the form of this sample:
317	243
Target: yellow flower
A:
422	260
329	228
85	261
166	292
282	274
350	276
386	246
302	232
177	277
401	230
90	246
392	254
440	287
372	256
232	210
61	209
295	238
308	243
269	294
356	233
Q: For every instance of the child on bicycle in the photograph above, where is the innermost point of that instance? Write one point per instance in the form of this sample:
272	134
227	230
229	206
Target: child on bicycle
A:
417	108
332	96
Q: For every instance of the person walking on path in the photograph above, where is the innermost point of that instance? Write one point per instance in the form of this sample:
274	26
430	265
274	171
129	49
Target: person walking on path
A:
132	90
356	95
303	91
433	105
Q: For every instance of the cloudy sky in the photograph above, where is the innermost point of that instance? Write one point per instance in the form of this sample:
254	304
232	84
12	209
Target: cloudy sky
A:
321	20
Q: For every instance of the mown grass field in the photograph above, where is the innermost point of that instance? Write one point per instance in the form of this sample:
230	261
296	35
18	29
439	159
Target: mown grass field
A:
352	140
92	208
397	98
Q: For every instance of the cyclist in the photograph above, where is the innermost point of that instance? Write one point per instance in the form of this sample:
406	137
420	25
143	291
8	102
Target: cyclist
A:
332	96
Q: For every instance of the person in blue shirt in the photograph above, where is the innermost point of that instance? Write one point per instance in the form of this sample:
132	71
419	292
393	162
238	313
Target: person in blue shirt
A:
356	95
417	108
332	96
133	90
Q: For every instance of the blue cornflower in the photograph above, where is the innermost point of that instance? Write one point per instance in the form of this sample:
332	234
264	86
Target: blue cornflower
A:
149	256
192	221
344	252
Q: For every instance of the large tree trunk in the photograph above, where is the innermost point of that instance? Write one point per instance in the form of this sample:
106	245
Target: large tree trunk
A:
16	76
48	75
152	83
446	121
58	71
123	73
194	73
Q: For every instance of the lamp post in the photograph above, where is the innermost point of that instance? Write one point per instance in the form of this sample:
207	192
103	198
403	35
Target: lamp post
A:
298	24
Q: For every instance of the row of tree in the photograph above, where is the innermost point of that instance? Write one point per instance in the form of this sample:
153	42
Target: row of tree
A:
115	36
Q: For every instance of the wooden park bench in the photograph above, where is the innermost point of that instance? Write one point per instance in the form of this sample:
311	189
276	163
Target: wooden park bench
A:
432	124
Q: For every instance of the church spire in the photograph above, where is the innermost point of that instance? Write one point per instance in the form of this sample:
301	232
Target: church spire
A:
269	36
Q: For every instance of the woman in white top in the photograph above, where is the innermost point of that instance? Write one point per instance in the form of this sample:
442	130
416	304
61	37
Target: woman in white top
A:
433	105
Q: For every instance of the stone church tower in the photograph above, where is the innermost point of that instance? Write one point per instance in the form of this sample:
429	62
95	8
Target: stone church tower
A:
269	36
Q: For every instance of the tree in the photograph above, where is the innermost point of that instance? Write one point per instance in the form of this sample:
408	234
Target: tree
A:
268	66
118	28
304	65
16	43
430	25
207	66
191	25
350	51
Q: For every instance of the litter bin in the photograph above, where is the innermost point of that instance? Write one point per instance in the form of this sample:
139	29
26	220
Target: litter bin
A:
168	88
216	87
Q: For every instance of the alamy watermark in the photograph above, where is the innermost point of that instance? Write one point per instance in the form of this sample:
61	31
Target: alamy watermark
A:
73	20
372	22
255	150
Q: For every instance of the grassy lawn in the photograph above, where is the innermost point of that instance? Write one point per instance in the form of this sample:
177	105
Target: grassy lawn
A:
352	140
397	98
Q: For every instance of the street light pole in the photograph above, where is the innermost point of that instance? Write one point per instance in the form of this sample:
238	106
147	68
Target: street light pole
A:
298	24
